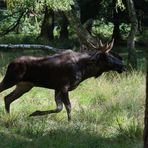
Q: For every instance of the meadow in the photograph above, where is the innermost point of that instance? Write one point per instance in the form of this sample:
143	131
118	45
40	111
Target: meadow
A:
108	112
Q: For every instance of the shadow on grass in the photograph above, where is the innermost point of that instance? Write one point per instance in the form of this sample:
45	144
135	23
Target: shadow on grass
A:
63	138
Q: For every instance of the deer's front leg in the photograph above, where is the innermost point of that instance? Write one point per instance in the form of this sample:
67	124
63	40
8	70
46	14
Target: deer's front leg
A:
59	106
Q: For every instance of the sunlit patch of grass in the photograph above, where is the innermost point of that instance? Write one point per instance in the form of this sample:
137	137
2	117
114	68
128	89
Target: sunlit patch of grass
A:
131	127
117	96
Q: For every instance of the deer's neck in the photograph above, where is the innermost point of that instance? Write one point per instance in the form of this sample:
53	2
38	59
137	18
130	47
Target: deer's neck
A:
89	69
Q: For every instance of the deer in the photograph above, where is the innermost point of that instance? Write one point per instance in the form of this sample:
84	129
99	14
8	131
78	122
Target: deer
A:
62	72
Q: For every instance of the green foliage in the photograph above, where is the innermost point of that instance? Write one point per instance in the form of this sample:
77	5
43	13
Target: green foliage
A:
125	29
120	5
31	21
39	5
60	5
102	29
30	26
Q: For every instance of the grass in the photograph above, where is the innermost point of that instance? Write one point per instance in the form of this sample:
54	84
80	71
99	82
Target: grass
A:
107	113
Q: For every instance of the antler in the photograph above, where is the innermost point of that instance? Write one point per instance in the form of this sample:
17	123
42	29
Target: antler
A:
106	47
101	44
102	47
111	45
93	46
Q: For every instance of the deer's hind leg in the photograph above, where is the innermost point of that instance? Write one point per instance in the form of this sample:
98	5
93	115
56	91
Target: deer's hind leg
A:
4	85
13	76
59	106
60	99
20	89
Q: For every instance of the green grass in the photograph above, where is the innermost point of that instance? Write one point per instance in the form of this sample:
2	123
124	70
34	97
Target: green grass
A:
107	113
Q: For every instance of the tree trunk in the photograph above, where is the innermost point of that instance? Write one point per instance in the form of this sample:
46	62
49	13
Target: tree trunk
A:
3	4
116	20
146	111
47	25
64	27
88	25
84	37
132	58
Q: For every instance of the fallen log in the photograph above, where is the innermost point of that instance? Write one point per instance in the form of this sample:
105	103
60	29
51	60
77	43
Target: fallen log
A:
29	46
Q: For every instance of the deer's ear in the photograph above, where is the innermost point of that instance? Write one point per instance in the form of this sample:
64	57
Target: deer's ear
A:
101	44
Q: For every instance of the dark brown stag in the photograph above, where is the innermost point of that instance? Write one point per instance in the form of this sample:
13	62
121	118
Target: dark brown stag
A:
62	72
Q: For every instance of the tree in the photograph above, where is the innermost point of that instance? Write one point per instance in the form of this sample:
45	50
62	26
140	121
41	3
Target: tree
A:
84	36
3	4
17	12
64	27
116	21
88	9
47	24
15	24
43	10
146	110
132	58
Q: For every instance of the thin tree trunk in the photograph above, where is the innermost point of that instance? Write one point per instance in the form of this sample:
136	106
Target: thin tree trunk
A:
132	58
48	24
64	27
3	4
116	20
146	111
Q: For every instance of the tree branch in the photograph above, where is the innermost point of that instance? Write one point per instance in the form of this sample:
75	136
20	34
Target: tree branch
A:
14	25
83	35
9	16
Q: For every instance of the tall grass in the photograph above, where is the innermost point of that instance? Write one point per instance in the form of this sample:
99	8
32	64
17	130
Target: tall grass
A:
107	113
